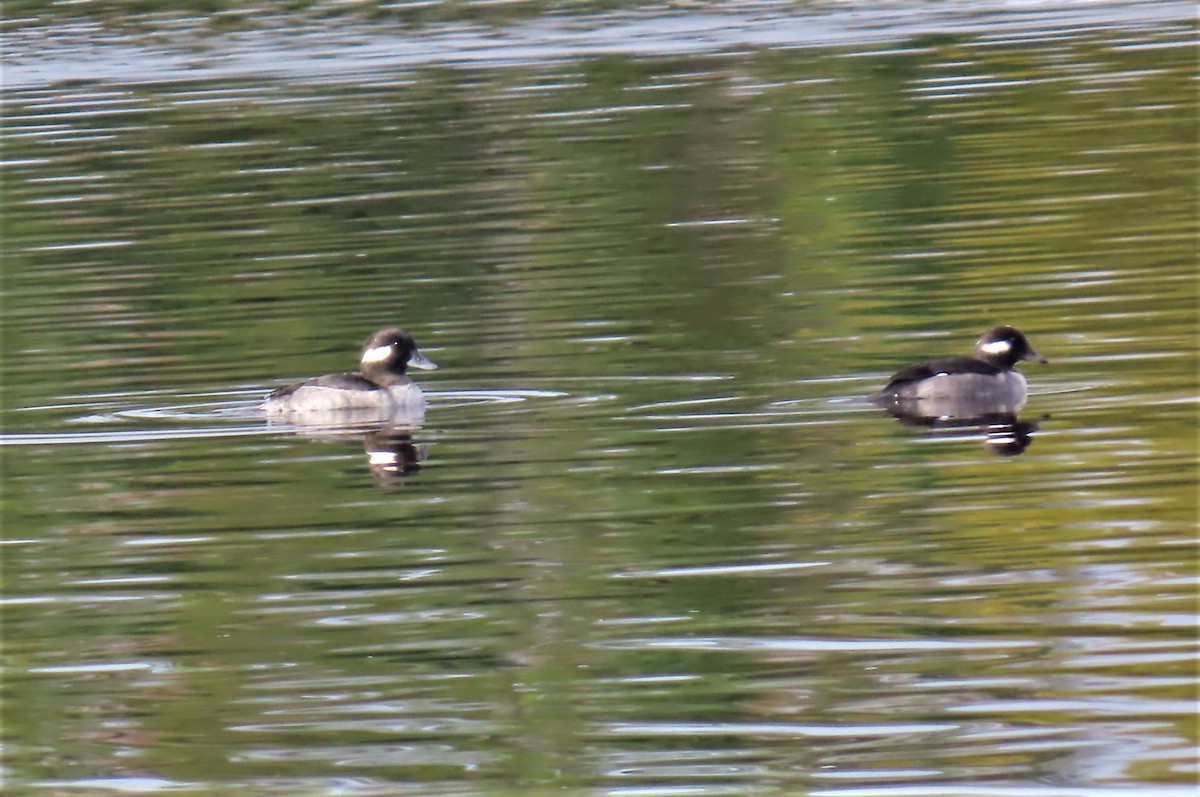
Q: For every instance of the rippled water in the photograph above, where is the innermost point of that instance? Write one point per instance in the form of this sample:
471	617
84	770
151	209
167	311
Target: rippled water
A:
652	539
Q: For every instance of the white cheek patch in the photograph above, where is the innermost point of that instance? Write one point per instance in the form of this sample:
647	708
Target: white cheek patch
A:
382	459
996	347
378	354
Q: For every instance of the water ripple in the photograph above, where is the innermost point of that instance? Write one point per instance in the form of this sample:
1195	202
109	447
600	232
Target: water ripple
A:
787	729
791	644
236	409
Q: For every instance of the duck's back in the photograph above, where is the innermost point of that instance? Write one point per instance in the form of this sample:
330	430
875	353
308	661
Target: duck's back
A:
331	392
906	382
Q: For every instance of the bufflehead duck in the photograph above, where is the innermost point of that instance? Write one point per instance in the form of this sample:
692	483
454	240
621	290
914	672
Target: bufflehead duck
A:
965	387
381	383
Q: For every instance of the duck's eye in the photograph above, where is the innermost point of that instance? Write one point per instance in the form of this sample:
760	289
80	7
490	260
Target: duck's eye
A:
378	354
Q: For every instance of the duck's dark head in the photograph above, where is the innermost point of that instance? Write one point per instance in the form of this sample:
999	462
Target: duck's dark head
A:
1004	347
388	354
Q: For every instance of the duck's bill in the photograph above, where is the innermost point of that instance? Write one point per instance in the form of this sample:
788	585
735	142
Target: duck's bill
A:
418	360
1034	356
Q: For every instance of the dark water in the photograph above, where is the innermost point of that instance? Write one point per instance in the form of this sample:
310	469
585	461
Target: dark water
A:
651	540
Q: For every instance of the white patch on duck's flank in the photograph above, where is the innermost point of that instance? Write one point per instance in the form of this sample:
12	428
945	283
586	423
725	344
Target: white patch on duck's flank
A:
377	354
996	347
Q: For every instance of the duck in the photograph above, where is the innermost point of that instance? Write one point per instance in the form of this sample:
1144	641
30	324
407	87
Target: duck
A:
984	384
381	384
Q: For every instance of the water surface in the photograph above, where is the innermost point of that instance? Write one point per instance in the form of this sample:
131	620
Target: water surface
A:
651	539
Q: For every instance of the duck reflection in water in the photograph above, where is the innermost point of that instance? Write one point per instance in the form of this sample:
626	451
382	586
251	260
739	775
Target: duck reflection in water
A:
983	391
387	440
392	455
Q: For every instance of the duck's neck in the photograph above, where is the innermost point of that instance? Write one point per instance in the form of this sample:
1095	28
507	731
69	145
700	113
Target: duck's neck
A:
1003	361
382	375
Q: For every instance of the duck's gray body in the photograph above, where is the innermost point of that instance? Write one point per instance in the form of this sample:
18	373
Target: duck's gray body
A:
345	392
